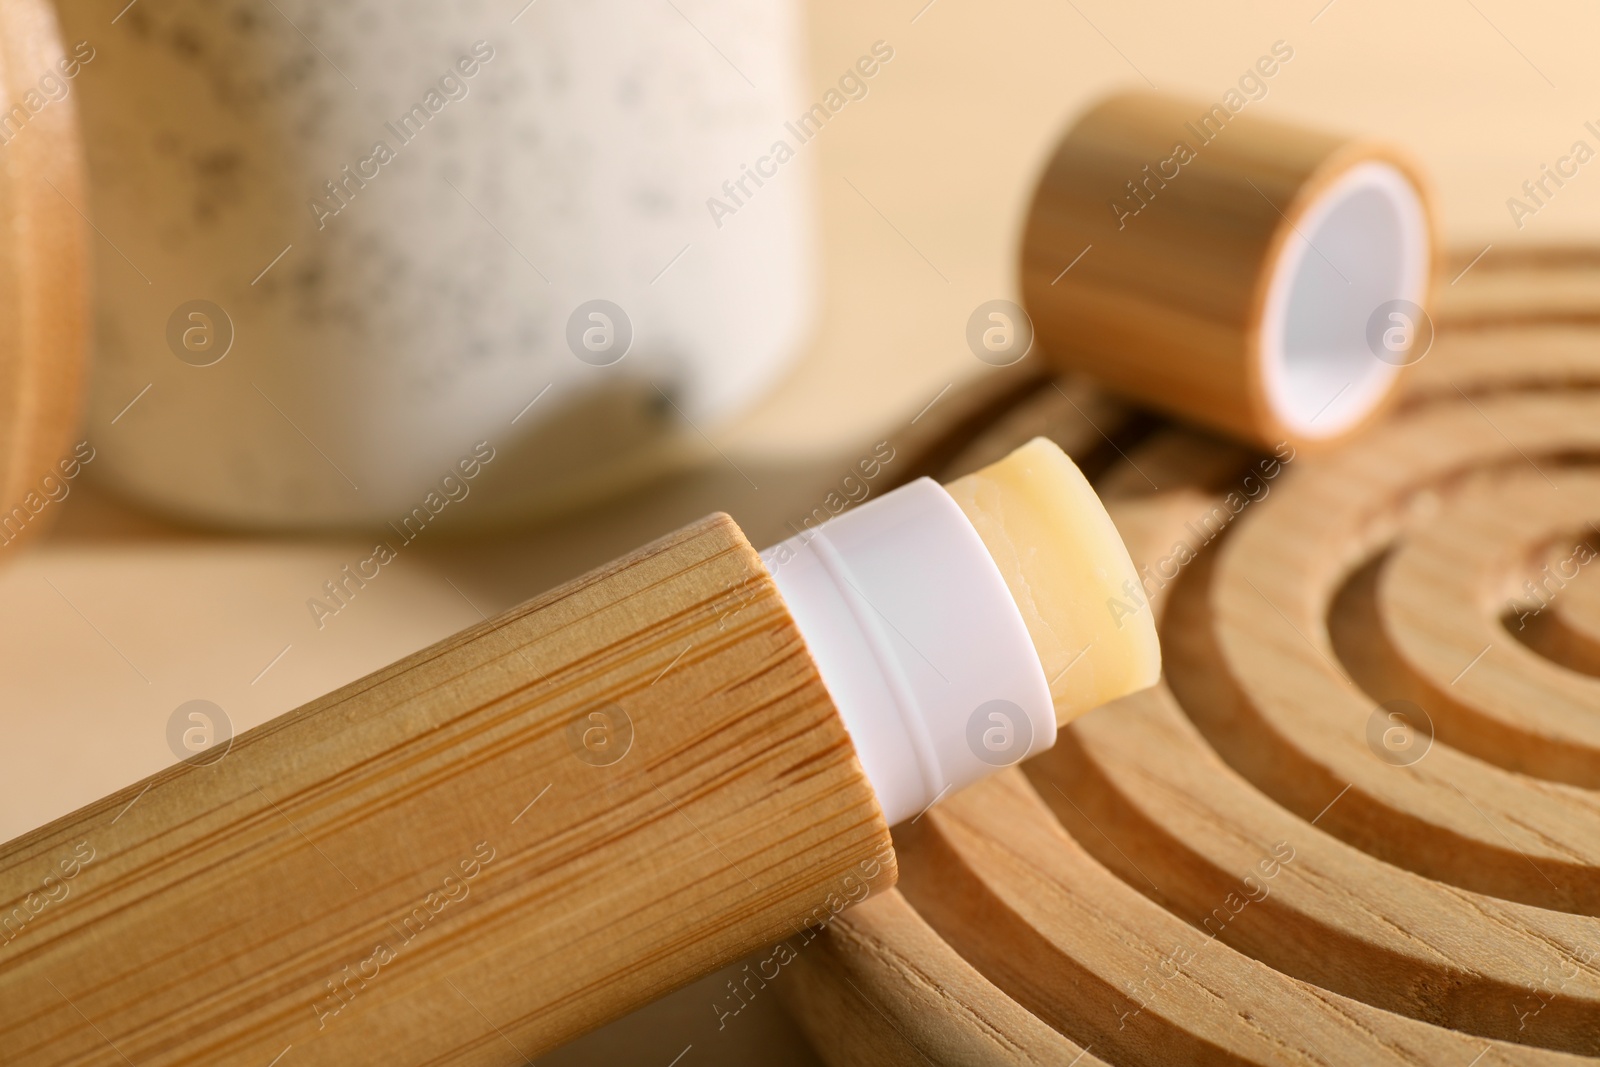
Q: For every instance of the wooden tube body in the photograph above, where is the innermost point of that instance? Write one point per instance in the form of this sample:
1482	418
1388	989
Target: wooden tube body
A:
468	857
1178	209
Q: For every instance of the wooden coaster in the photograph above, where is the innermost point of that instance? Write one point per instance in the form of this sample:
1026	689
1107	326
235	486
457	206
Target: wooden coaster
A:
44	298
1358	821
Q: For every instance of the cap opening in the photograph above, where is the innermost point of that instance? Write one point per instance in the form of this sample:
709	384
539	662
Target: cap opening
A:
1362	244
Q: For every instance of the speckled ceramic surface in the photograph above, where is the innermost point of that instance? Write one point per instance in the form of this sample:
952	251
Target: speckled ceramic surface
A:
343	243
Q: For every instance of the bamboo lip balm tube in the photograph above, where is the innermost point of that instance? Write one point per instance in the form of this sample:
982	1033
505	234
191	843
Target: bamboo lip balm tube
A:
547	820
1259	278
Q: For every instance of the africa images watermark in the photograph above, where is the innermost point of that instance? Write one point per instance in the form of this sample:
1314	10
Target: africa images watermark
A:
1552	579
51	488
1142	994
341	590
52	87
1538	190
1550	986
1252	87
853	488
852	85
453	85
53	889
853	889
344	987
1155	577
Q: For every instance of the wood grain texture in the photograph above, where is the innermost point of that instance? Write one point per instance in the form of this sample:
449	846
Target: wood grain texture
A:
1567	631
882	988
1142	791
993	871
1083	419
1440	897
1510	287
1512	320
1300	734
1481	361
1493	559
1167	307
44	286
442	863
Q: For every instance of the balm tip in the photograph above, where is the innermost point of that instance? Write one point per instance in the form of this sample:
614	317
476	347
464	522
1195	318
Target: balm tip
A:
1069	573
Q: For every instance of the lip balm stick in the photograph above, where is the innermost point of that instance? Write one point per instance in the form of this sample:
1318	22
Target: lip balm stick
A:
549	819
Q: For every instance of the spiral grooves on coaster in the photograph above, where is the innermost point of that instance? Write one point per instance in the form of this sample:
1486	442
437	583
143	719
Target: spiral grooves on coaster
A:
1359	820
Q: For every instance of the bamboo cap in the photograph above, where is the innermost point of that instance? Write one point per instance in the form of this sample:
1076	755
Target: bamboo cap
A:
1254	276
44	290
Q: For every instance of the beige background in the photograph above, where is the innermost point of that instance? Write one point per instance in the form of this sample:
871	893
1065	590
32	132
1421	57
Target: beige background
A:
119	617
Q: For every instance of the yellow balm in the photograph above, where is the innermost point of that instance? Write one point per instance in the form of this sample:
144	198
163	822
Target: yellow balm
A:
1064	562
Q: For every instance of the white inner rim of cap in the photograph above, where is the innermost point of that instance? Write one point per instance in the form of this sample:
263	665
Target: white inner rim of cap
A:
1362	243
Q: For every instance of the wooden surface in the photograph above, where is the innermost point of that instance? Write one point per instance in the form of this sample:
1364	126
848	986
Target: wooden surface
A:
44	274
119	617
469	857
1234	867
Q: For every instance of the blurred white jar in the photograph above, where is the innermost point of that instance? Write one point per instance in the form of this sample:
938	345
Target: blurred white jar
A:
382	216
